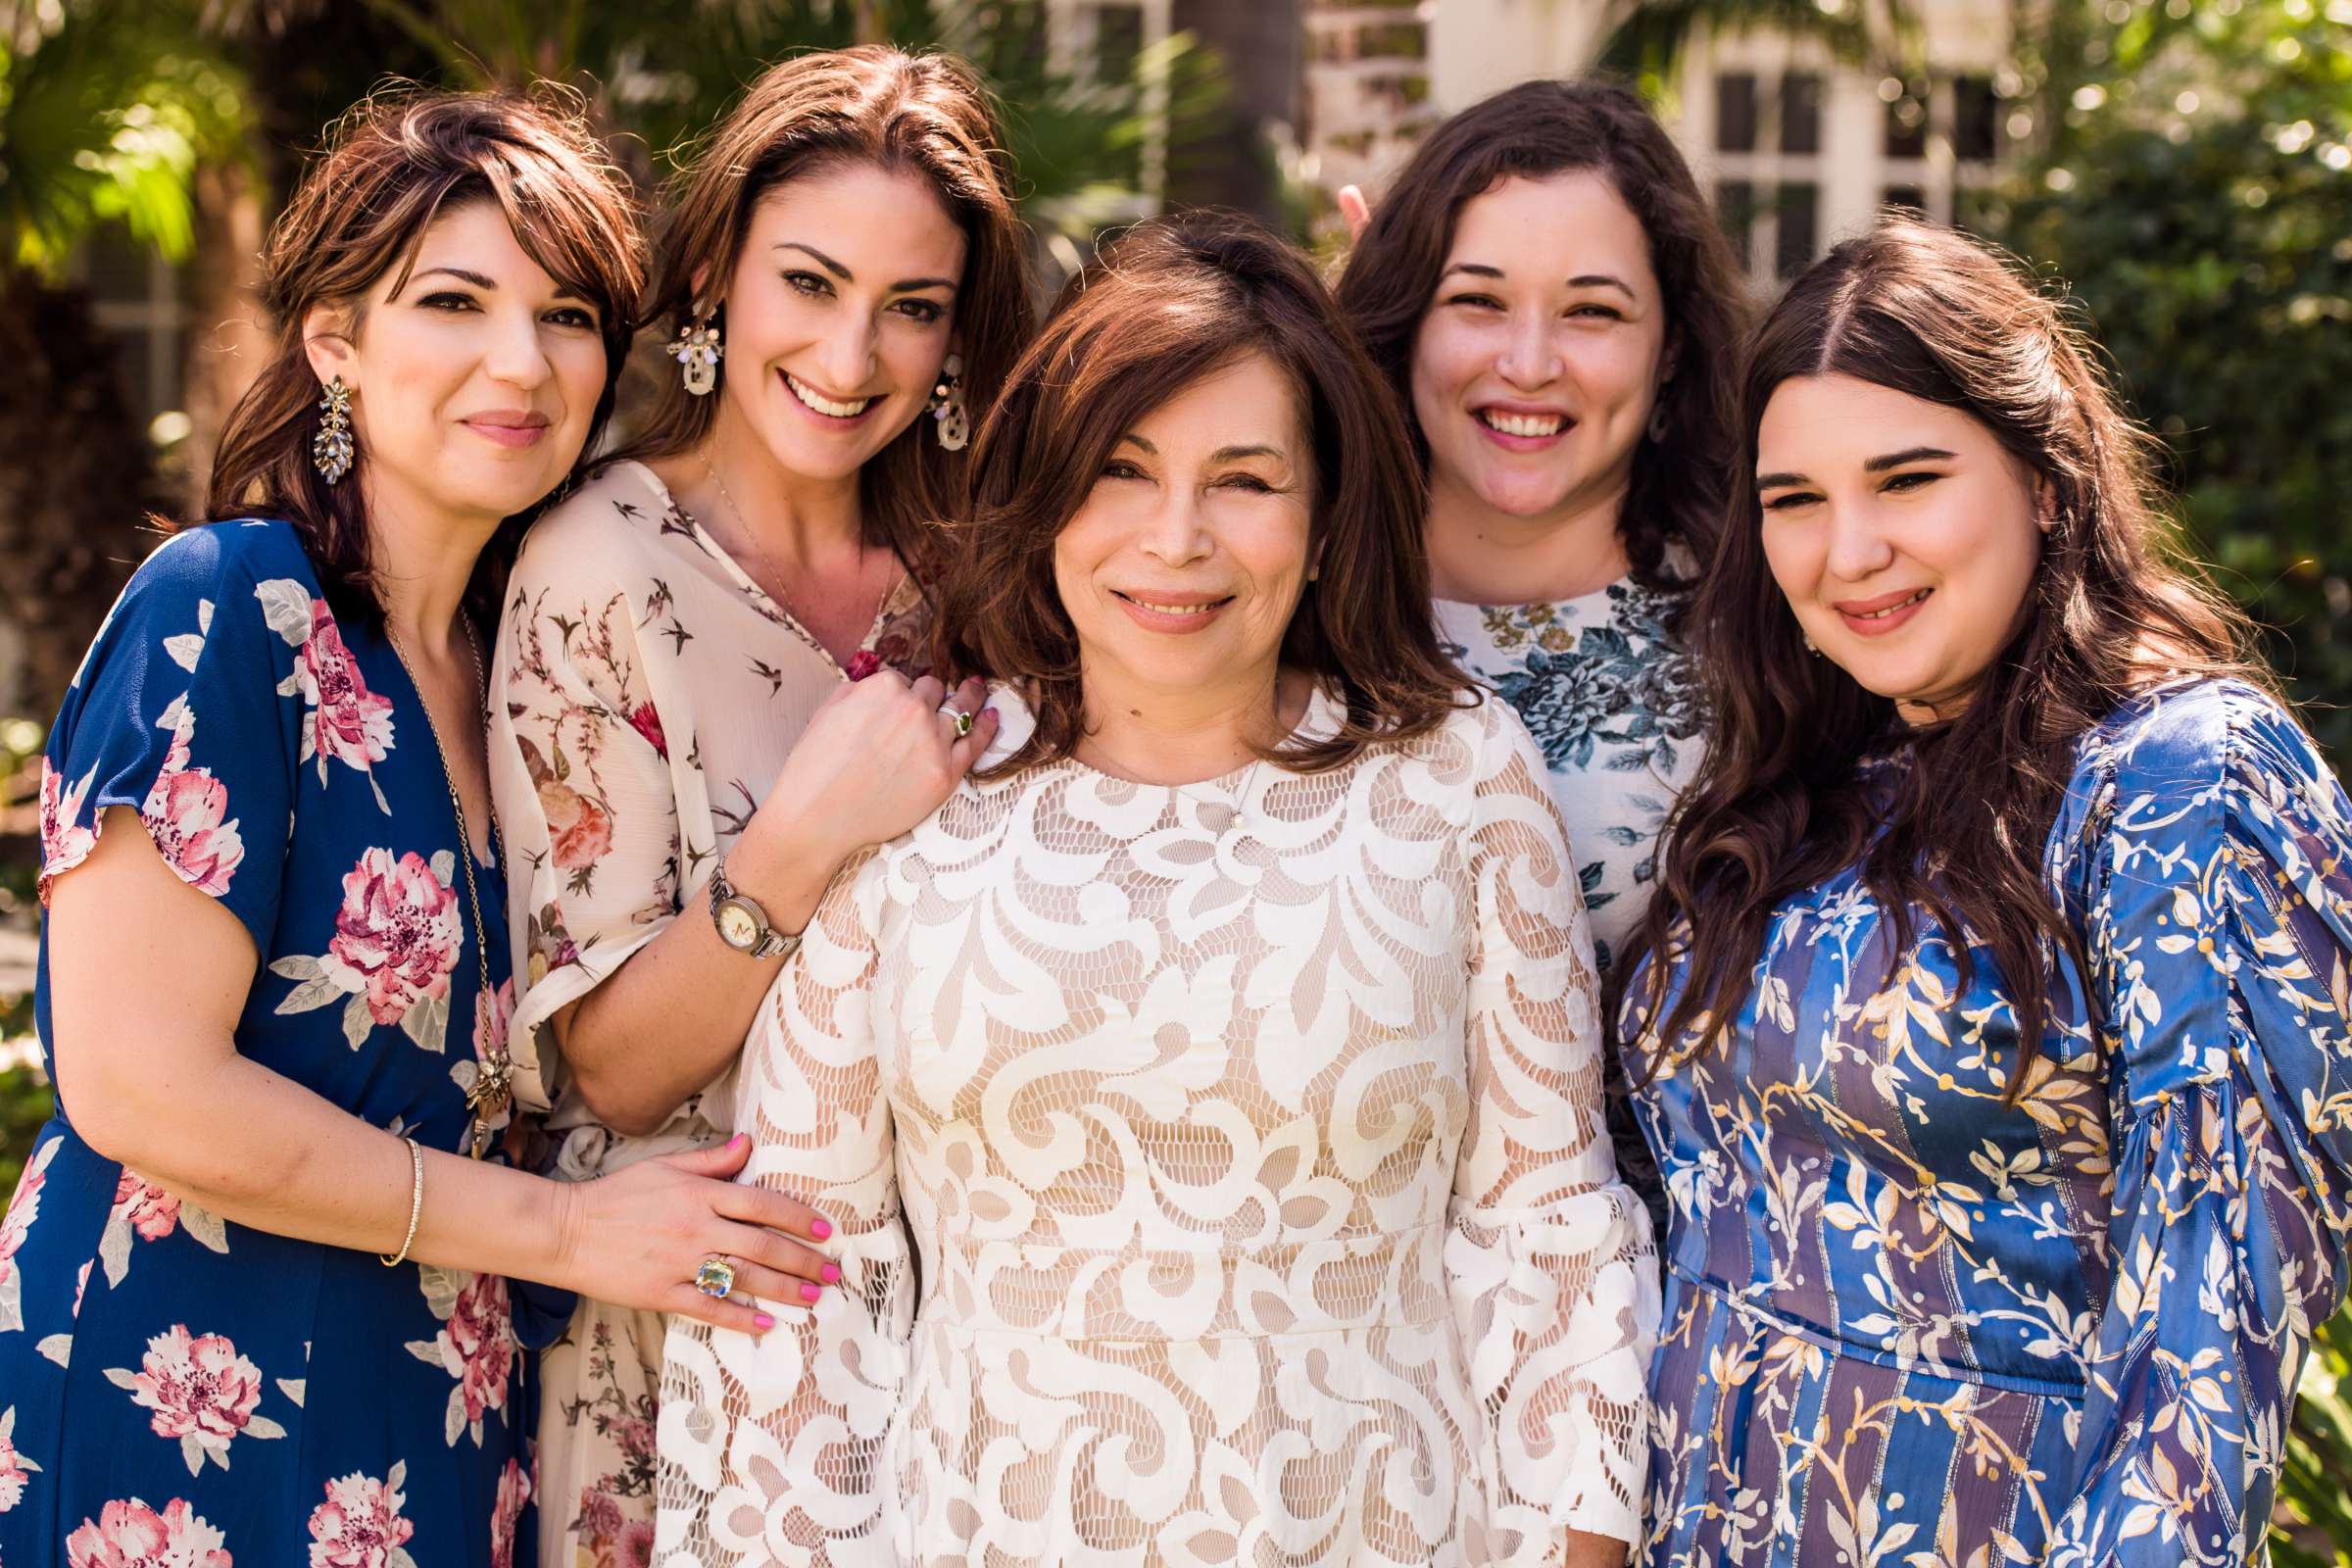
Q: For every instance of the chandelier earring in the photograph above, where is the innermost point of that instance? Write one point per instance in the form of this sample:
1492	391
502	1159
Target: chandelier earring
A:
955	427
330	447
698	352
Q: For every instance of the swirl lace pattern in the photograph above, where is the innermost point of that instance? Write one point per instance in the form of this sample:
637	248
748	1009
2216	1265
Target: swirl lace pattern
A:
1249	1136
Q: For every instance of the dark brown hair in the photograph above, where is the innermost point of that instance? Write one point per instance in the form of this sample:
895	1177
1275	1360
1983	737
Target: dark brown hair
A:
1534	132
392	165
1167	303
923	115
1786	800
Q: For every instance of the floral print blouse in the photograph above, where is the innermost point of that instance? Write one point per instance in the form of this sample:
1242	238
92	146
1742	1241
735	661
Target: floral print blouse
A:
176	1388
1909	1321
649	694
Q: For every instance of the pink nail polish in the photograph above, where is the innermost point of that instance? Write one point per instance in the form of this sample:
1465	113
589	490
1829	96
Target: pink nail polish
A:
763	1320
989	711
810	1293
735	1142
821	1229
832	1273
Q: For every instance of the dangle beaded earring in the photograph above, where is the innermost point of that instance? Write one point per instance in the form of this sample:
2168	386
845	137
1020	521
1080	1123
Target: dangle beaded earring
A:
947	405
330	447
698	352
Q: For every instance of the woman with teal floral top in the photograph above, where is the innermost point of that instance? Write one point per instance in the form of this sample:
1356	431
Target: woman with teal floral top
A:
1991	1012
1550	296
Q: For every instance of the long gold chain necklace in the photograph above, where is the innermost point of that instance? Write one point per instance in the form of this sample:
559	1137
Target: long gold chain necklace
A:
493	1088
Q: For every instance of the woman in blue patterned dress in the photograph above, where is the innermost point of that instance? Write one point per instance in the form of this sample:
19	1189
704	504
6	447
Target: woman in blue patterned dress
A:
1997	1058
273	982
1552	299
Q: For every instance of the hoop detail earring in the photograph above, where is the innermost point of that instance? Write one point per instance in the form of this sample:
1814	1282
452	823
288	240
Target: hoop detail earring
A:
1657	419
955	427
698	352
1809	644
330	447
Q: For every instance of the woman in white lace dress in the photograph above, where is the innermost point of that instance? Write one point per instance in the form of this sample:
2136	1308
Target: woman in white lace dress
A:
1226	1046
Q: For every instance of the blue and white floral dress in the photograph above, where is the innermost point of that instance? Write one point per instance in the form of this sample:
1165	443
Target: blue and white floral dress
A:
179	1389
1911	1322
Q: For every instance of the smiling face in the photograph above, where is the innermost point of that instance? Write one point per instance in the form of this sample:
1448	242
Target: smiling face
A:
1183	565
1903	534
839	315
1542	349
474	379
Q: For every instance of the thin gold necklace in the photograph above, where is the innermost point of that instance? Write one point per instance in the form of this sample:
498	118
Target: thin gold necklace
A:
783	591
494	1088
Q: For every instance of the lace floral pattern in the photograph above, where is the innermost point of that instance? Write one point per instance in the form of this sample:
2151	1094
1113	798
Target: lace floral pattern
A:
1249	1137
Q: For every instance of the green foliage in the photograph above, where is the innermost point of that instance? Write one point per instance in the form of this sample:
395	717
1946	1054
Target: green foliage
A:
106	108
2193	186
24	1101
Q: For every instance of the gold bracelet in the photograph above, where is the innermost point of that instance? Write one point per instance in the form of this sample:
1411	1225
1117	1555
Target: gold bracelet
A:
416	1205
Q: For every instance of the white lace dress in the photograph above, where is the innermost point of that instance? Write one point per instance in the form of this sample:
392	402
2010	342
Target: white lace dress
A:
1249	1136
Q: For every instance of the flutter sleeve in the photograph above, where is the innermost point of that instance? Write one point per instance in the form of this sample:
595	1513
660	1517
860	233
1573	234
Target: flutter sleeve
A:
579	767
1549	1261
188	710
771	1446
2217	900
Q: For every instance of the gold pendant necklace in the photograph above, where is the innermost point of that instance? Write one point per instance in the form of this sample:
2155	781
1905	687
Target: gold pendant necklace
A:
493	1090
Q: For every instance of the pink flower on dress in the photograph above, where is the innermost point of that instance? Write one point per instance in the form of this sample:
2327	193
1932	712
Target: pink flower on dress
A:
13	1468
22	1209
646	720
150	1211
359	1525
478	1344
864	662
396	935
513	1491
598	1523
578	830
345	720
130	1535
186	813
636	1545
65	843
199	1387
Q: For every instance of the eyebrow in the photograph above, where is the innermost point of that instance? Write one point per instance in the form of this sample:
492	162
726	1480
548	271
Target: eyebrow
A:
563	291
904	285
1221	454
1581	281
1892	460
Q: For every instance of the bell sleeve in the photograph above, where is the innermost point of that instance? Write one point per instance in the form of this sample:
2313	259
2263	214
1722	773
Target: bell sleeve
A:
1549	1261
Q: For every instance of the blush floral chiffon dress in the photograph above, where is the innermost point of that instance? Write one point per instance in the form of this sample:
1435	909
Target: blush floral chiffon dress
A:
176	1388
1911	1322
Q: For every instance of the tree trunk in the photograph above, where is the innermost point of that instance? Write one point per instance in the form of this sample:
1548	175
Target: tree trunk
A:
228	334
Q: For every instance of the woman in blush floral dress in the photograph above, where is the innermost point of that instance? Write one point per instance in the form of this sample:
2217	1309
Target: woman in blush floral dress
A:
274	977
1548	291
1994	1021
712	665
1227	1046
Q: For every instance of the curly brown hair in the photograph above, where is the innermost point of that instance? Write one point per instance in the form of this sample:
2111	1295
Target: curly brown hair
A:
1166	304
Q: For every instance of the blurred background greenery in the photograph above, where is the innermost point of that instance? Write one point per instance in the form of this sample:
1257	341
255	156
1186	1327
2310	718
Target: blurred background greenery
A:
2183	165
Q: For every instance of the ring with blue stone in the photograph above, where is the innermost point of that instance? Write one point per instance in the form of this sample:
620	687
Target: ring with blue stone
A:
716	1278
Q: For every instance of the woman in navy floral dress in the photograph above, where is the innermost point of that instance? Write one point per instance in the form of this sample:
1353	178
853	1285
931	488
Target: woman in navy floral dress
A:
1998	1057
274	982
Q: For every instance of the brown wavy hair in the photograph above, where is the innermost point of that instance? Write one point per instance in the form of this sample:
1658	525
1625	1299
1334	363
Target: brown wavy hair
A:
1534	132
1167	303
391	165
923	114
1786	800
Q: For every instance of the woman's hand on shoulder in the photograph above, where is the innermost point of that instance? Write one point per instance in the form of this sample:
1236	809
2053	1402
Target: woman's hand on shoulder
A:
637	1236
878	757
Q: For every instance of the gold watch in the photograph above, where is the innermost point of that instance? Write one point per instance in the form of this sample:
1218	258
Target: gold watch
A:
743	924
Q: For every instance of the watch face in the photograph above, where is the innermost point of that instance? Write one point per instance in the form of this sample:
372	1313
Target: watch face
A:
736	926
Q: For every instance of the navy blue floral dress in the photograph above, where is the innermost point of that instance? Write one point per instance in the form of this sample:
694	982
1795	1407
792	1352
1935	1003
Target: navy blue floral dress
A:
1911	1322
176	1388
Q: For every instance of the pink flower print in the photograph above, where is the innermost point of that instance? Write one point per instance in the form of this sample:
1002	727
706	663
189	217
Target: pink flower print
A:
130	1535
598	1524
578	830
150	1211
359	1525
186	813
22	1209
396	935
864	662
65	843
513	1491
15	1468
345	722
478	1347
646	720
202	1393
636	1546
